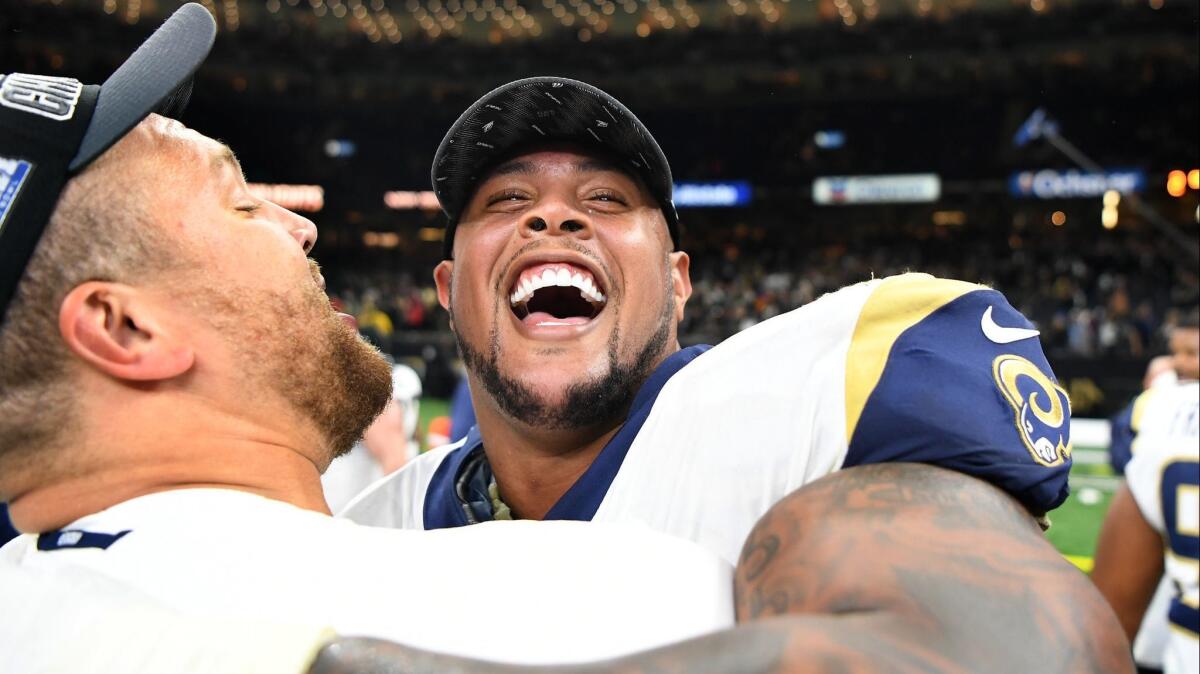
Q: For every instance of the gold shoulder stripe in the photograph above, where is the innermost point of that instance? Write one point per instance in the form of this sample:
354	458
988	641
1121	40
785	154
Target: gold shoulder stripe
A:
896	304
1139	409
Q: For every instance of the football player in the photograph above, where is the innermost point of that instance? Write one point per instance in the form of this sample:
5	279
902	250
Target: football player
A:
1152	529
913	414
173	380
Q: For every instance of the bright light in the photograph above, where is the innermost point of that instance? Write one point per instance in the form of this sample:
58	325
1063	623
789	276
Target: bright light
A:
949	218
1111	198
310	198
1109	218
381	239
1194	179
1058	218
409	200
1177	183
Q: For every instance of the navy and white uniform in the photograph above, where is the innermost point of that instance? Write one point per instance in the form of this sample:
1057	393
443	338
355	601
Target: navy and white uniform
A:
1164	478
907	368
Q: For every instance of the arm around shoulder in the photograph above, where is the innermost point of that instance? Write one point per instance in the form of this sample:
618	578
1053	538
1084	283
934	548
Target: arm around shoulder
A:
906	567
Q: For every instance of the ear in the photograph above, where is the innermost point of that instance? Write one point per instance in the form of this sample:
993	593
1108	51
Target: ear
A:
442	275
681	280
115	329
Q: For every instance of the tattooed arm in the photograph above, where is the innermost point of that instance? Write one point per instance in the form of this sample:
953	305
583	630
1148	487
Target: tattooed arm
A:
883	568
911	568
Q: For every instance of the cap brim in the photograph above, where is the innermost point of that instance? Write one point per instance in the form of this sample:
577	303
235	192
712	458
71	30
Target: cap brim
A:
151	74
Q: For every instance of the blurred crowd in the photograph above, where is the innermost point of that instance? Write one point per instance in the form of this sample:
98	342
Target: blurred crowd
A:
1111	294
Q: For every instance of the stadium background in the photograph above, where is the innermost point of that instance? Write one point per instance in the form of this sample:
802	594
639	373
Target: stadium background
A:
774	110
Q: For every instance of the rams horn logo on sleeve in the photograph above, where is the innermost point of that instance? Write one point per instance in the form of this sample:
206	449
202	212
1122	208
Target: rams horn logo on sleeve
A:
1041	408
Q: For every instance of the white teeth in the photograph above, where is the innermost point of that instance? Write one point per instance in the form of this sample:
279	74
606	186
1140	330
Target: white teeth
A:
560	276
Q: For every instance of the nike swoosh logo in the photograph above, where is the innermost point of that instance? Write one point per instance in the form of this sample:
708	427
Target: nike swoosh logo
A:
1002	335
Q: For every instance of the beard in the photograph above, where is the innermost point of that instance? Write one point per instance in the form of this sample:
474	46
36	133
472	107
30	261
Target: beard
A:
589	403
296	346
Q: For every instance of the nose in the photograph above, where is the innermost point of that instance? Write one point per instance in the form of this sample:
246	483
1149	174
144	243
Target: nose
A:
303	230
556	217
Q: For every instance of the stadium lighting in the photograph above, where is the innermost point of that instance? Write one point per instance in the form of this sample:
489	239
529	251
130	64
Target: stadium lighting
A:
308	198
381	239
1194	179
949	218
1109	216
1177	183
1058	218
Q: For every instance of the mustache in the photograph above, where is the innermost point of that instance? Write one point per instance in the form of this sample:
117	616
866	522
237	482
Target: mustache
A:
542	243
314	269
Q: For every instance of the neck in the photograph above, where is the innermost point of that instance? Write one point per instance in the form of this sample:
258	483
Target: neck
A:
155	448
535	467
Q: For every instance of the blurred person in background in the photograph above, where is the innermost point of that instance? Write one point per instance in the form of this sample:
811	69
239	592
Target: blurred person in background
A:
1160	371
387	444
1151	534
1152	635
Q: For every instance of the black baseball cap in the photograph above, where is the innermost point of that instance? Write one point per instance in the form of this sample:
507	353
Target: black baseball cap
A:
51	128
537	110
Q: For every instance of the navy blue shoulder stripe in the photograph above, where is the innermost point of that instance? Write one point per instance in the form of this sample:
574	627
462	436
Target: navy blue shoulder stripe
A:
72	539
442	509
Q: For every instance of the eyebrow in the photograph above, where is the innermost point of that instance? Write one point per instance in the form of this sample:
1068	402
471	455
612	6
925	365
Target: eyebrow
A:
225	157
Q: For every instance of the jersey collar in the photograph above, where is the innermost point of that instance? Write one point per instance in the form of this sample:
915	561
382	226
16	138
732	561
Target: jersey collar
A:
457	493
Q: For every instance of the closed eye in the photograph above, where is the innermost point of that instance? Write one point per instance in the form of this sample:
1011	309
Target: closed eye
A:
506	195
249	208
605	196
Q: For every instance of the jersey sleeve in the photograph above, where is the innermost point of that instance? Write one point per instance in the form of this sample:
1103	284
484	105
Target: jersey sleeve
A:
950	374
1120	439
1143	476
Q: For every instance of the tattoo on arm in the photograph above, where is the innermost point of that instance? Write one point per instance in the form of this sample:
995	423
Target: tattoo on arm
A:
923	570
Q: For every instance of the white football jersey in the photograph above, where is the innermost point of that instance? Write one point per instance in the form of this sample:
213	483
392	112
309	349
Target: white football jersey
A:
71	620
522	592
1164	478
908	368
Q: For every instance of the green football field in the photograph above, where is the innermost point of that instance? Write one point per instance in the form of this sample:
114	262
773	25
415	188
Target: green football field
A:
1075	525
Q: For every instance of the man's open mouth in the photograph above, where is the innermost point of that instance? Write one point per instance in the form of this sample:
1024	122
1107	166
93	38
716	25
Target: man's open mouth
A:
556	293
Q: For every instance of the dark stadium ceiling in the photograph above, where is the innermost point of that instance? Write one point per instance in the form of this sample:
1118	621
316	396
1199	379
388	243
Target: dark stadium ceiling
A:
394	21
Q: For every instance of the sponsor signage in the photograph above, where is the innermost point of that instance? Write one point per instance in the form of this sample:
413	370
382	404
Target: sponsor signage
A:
1072	184
886	189
693	195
